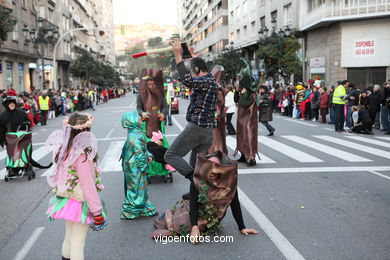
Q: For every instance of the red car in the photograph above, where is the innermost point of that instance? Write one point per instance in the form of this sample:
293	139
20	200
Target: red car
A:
175	106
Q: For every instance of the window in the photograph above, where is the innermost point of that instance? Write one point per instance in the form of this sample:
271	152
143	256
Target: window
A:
21	77
274	15
232	16
24	3
15	33
245	7
262	22
238	33
42	11
238	13
253	28
287	14
50	16
9	69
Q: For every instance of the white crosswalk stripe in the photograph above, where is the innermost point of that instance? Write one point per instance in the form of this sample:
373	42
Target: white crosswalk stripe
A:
231	143
369	140
386	138
349	157
288	150
110	162
333	147
37	155
354	145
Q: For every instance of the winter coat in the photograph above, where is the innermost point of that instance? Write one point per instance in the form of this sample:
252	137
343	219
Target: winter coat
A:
315	102
324	100
265	107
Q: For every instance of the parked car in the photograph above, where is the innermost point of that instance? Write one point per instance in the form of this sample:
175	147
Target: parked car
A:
175	106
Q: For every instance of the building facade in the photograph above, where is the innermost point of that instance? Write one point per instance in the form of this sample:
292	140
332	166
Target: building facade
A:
26	58
346	40
204	25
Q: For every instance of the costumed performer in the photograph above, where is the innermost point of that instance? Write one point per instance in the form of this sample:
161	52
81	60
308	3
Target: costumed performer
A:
76	182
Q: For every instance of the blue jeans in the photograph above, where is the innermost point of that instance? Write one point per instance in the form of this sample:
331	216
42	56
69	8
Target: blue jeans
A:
331	114
385	118
349	117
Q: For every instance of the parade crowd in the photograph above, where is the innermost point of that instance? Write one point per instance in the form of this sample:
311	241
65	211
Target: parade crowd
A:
41	106
349	108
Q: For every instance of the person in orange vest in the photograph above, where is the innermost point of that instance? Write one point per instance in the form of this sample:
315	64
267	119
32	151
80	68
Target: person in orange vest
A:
44	105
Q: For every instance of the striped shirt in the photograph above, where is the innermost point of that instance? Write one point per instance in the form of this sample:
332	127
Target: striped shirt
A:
201	110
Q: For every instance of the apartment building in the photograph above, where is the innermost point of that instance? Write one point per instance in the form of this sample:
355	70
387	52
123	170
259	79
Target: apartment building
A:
346	39
26	58
204	25
17	56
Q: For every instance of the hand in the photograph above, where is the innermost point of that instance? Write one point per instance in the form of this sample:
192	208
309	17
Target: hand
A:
177	50
145	115
99	223
352	98
247	231
150	159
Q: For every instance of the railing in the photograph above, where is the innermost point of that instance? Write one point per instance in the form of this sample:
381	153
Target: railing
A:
344	9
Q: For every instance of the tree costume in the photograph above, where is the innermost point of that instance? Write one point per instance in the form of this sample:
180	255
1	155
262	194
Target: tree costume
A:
152	101
216	194
135	168
247	122
219	140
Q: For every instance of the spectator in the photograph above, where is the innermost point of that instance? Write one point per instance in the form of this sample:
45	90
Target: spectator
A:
323	104
264	103
230	107
331	106
339	101
315	103
44	106
374	103
385	108
361	120
352	98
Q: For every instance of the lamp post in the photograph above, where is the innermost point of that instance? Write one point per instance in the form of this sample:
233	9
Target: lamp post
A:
44	33
102	29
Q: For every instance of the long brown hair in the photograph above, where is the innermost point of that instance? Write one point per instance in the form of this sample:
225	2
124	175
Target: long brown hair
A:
75	119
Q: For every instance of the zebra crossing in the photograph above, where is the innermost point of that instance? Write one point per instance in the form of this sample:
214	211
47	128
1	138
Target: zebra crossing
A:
272	149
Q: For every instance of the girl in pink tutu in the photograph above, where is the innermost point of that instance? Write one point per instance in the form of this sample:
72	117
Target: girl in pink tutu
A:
76	183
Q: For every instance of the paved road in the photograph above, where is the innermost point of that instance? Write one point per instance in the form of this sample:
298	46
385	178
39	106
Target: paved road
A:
315	194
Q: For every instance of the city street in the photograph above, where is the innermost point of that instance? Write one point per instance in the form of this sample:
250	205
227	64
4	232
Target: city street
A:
315	194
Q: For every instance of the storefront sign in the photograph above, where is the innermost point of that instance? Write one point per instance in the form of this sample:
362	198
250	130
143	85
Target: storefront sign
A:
317	62
364	48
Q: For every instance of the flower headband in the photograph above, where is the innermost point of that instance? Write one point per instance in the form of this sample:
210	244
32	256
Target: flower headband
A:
87	124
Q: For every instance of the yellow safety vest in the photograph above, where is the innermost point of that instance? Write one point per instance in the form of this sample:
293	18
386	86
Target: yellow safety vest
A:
44	103
338	95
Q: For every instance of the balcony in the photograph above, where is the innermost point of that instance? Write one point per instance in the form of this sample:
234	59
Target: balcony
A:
221	33
346	10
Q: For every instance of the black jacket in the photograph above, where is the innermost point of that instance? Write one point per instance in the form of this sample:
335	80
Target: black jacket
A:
12	121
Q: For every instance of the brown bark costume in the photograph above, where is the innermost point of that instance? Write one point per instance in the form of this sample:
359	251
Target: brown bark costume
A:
221	191
219	140
247	119
152	99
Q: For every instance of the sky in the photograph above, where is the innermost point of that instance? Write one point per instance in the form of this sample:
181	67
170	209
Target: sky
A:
145	11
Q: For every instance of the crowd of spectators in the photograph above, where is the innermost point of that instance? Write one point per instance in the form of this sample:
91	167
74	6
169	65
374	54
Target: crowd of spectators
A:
41	106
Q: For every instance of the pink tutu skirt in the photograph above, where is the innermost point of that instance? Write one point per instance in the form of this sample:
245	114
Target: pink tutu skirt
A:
69	209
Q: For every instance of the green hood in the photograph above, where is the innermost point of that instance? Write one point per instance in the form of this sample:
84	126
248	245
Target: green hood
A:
246	79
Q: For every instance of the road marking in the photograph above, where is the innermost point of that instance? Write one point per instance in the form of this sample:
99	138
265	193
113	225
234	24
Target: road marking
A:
349	157
288	150
181	128
111	131
356	146
110	162
314	169
37	155
300	122
285	247
386	138
380	174
231	143
29	243
369	140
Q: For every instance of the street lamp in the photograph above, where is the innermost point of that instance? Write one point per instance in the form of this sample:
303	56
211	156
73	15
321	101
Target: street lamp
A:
25	31
281	32
273	24
265	31
287	31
